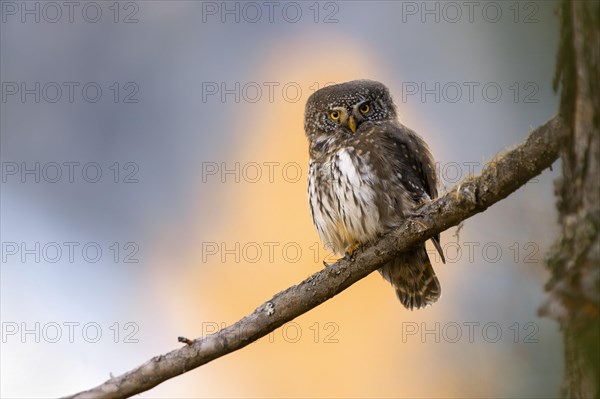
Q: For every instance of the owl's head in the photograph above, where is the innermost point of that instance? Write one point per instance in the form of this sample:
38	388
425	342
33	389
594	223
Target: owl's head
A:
340	110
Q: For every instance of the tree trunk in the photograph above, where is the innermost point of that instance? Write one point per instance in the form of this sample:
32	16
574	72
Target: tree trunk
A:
575	259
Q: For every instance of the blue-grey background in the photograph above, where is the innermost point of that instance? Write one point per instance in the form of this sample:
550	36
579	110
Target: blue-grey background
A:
68	323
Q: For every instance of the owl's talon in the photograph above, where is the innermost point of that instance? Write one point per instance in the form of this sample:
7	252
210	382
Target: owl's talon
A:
351	251
326	264
458	192
423	225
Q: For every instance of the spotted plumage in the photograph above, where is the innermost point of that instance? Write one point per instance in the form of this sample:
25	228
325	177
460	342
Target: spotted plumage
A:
367	172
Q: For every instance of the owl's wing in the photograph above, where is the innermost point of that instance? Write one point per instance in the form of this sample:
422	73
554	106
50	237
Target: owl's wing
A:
414	163
415	159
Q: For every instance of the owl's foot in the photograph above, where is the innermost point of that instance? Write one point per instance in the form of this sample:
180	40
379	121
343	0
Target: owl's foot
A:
350	251
423	225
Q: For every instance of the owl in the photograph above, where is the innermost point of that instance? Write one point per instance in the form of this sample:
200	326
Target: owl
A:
367	173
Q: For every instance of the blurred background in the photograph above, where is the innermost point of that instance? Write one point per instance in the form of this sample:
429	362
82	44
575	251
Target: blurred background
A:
154	172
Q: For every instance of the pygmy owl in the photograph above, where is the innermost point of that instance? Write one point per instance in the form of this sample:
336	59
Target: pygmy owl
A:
367	172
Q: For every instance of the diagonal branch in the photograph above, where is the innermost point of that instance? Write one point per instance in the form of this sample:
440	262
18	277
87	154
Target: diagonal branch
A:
499	178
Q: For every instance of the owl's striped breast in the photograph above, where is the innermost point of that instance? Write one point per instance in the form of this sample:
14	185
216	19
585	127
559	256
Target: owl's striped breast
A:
342	199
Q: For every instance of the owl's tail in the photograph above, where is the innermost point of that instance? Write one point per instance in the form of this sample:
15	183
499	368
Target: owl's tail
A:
413	277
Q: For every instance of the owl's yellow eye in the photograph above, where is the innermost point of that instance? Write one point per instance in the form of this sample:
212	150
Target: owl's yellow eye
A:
335	115
364	108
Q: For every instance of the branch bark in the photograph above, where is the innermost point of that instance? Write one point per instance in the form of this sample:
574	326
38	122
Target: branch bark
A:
501	176
574	299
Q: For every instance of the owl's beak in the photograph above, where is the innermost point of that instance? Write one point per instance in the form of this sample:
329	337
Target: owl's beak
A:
352	123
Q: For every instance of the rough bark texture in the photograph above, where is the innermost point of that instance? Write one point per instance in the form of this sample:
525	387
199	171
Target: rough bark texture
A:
575	258
500	178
